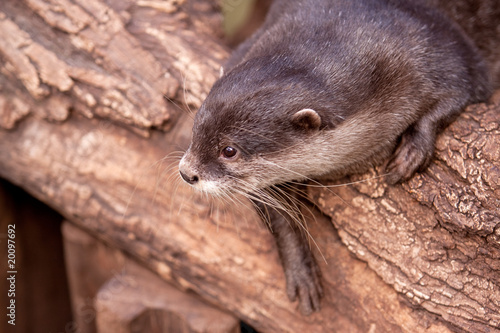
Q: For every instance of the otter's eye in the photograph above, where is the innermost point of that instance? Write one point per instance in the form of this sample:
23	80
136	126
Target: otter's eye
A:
229	152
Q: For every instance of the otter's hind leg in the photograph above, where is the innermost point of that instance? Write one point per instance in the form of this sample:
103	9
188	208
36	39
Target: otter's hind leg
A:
303	276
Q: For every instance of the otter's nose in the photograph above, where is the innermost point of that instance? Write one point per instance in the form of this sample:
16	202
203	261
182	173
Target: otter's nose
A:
189	179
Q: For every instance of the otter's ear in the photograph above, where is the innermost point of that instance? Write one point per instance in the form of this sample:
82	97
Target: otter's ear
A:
307	119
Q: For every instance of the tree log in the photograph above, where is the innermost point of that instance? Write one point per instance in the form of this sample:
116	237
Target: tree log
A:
436	238
94	99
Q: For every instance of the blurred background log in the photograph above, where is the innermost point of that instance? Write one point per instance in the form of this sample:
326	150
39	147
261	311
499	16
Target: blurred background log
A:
94	114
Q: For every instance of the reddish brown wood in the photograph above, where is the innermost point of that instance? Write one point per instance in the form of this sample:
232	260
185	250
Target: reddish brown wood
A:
436	238
89	264
112	293
36	280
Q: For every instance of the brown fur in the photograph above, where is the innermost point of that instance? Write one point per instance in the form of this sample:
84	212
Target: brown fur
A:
371	75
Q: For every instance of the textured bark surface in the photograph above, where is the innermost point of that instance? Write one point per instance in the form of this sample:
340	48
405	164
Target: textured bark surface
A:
91	99
436	238
118	60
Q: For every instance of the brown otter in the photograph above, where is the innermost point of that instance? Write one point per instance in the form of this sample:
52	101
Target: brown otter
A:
329	87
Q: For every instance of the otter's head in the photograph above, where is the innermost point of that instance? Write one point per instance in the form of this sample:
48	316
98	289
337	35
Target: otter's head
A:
254	131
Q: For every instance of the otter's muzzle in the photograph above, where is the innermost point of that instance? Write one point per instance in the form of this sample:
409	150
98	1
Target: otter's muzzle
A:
189	175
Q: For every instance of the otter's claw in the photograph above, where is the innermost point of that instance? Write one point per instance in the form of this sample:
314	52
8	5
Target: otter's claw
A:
413	154
303	279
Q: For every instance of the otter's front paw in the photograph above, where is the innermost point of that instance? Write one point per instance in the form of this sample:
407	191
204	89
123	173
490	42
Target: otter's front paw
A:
304	280
413	153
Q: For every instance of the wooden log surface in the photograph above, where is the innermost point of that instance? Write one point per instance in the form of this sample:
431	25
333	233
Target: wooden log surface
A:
436	238
112	293
91	122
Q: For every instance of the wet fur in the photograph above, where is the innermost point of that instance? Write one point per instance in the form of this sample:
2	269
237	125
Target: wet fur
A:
377	73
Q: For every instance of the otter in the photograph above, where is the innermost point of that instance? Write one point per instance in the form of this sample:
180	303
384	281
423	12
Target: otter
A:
330	87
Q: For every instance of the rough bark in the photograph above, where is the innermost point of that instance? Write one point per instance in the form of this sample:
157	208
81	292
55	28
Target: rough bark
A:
91	102
436	238
116	60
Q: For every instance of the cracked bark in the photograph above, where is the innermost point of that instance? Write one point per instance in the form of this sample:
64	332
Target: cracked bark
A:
91	94
436	238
